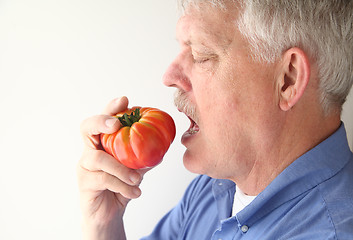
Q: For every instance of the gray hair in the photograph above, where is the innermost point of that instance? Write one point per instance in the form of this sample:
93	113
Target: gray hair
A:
322	28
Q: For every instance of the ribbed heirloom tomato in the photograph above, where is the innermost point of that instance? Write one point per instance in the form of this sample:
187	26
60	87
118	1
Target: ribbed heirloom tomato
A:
143	139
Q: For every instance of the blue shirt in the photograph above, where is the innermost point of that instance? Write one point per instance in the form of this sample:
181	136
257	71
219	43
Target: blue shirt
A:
311	199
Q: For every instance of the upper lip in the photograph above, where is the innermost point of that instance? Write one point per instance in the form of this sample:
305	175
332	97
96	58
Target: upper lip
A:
191	120
190	117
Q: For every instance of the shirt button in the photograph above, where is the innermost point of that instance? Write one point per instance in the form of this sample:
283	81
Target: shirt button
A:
244	228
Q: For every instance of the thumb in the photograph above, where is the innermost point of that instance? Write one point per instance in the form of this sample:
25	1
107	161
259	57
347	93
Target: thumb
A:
116	105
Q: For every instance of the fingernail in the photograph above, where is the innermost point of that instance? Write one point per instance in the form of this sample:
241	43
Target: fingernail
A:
135	178
110	122
136	191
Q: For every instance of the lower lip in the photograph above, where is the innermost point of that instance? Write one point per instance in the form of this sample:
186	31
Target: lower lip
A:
187	136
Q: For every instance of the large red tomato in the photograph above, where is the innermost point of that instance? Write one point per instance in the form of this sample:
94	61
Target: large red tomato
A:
143	139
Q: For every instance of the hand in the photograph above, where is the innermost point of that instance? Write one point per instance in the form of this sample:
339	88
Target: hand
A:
105	185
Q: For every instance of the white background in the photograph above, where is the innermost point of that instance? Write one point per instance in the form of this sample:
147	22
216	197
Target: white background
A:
60	62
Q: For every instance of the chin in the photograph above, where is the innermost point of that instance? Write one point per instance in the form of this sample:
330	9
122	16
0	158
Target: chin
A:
195	163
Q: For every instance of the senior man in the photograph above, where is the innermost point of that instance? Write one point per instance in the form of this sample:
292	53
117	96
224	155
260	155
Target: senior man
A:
263	83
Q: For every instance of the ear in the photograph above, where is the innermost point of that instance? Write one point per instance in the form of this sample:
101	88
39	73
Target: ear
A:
293	78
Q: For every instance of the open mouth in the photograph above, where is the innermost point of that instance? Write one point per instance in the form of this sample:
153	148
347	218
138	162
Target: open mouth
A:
194	128
184	105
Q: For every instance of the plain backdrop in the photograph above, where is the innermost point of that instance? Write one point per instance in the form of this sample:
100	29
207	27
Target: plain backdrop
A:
62	61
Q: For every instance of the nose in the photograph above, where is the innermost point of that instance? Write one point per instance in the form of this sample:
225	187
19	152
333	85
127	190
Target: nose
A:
176	76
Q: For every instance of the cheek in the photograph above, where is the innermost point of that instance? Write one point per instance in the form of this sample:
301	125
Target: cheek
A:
218	130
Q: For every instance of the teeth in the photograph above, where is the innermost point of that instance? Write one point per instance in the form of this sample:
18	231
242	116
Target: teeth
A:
194	129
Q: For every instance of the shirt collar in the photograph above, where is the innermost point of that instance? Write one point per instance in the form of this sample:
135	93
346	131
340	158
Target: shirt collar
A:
223	192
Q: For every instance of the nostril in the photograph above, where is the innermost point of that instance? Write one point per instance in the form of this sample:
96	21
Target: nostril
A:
171	75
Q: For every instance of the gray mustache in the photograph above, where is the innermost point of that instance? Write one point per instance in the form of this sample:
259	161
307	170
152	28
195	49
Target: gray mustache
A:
182	102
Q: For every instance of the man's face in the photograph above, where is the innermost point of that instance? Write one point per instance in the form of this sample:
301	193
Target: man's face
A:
233	98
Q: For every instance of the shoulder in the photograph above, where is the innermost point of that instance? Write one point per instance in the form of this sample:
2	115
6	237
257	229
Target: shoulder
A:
337	195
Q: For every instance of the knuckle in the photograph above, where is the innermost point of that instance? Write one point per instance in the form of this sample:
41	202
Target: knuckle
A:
102	178
91	125
82	162
98	157
87	124
82	177
93	160
90	160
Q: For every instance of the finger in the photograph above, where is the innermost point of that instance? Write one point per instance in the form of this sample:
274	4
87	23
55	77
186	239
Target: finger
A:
95	160
99	124
93	126
116	105
100	181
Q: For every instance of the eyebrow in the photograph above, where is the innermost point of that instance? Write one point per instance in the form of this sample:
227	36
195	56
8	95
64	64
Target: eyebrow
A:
191	42
206	35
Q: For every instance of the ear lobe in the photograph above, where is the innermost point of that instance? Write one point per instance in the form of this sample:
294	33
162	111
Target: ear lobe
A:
294	77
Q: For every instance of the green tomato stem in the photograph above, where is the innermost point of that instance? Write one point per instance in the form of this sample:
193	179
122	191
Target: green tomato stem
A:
127	120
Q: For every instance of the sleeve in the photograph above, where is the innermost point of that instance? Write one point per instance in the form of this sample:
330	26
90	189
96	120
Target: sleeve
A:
171	225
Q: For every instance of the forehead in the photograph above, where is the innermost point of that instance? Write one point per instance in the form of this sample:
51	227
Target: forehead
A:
207	25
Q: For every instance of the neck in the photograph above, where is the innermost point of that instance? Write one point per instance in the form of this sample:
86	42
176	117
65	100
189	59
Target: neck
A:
291	139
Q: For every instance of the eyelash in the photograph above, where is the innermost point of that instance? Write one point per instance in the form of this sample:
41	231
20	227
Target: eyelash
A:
201	58
200	61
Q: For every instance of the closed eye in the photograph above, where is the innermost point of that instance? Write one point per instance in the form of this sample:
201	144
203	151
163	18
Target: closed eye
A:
202	60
